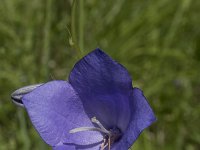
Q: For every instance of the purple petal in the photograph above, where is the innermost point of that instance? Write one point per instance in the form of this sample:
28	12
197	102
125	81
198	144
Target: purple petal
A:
104	87
142	117
95	146
54	109
64	147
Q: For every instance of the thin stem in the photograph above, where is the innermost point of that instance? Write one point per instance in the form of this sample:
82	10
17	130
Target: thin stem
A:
23	130
73	29
81	25
73	16
46	48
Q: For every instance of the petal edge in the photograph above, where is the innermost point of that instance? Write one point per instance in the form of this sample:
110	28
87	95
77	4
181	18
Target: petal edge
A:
104	86
54	109
142	117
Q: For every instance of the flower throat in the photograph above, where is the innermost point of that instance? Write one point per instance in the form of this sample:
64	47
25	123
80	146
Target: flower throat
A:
110	136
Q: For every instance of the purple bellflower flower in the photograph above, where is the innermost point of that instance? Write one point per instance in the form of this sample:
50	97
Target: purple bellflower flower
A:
97	109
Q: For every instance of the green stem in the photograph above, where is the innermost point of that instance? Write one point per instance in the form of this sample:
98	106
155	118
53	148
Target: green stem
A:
46	48
23	130
78	46
81	25
73	16
73	27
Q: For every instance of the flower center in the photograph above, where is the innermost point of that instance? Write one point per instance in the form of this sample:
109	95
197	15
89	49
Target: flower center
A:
109	139
110	136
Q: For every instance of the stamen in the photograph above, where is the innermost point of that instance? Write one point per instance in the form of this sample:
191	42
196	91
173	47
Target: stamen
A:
103	146
106	143
109	144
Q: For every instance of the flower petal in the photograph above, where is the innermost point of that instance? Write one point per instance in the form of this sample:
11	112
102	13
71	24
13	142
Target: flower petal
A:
104	87
95	146
54	109
142	117
64	147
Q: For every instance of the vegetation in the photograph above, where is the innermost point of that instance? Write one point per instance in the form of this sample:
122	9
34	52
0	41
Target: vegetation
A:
158	41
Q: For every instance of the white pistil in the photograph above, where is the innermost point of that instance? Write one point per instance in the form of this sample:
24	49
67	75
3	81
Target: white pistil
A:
81	129
94	120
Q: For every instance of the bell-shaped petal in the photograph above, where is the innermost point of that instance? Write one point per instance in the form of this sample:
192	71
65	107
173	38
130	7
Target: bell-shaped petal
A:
104	87
142	116
64	147
95	146
54	109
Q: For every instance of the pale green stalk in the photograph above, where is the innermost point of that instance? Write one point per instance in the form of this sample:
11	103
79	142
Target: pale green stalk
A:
81	25
46	48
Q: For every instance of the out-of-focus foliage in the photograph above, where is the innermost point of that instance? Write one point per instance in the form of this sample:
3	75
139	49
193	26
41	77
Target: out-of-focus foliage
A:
157	40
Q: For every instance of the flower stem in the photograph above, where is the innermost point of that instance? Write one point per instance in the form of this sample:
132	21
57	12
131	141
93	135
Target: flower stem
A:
73	29
81	25
23	130
73	15
46	48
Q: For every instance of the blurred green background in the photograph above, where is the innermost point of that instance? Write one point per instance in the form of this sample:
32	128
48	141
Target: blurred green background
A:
158	41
